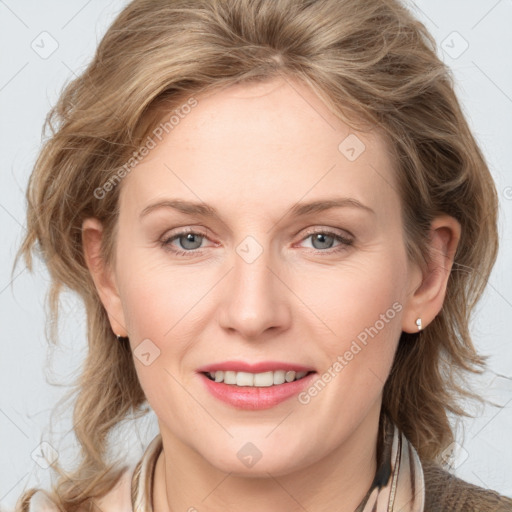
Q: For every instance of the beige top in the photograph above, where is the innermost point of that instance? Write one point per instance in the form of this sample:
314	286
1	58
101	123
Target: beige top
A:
142	478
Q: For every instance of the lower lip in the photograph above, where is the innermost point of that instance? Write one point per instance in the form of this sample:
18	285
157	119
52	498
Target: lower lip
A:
253	398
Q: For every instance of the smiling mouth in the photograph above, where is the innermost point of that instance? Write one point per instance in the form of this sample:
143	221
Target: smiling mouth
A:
263	379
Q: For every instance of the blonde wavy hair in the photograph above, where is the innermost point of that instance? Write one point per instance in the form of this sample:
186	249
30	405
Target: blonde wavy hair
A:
373	64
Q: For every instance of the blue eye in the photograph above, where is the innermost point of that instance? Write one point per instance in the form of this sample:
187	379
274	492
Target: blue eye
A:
326	238
191	241
187	239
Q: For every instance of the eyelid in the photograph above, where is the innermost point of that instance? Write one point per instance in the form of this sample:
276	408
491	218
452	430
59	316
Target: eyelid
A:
167	237
331	231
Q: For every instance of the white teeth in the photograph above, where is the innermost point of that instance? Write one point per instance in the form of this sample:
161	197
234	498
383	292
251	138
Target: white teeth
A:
290	376
265	379
279	377
244	379
260	380
229	377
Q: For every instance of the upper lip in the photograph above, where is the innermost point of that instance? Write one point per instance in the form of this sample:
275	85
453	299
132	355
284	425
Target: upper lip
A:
264	366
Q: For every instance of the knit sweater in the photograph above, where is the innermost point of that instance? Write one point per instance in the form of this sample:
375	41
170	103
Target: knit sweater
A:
445	492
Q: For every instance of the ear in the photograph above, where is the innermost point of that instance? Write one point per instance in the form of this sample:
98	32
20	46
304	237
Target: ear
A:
102	274
428	296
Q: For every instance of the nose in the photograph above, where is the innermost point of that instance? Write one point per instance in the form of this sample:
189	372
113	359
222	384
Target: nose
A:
255	302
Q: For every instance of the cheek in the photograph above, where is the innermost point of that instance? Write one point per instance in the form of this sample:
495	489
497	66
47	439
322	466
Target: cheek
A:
166	309
158	303
156	294
354	294
357	319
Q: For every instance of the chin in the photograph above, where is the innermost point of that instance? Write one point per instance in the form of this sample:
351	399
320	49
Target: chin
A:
257	460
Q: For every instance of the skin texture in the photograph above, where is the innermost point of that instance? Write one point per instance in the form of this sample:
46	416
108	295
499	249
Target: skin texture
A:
253	152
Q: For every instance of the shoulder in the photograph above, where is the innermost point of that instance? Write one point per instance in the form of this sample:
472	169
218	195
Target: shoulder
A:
118	499
445	492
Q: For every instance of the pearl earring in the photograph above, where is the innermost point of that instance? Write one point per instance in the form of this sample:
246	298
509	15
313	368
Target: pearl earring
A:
418	323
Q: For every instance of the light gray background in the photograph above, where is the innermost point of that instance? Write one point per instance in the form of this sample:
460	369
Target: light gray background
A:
30	81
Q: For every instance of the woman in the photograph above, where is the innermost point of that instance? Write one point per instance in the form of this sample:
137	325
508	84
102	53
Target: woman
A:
279	222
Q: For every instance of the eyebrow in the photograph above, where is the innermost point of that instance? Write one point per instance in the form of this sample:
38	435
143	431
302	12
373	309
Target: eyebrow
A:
298	210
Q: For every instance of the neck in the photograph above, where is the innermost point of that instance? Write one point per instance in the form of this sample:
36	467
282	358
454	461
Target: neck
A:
185	481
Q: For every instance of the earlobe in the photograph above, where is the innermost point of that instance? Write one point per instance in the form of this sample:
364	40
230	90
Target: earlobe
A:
102	274
427	298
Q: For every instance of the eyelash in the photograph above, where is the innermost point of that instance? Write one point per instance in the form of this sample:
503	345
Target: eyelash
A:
166	242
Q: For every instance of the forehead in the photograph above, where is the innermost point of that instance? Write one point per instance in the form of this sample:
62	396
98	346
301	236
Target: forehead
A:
263	143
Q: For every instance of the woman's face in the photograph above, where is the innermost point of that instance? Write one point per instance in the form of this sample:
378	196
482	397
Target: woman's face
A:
264	279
